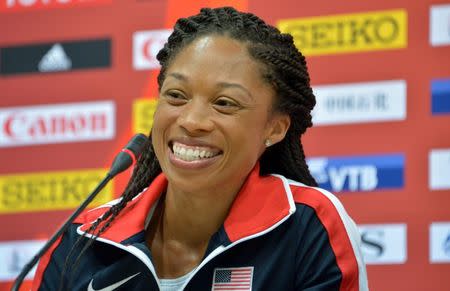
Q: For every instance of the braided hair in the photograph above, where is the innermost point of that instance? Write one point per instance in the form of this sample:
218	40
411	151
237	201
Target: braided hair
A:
284	68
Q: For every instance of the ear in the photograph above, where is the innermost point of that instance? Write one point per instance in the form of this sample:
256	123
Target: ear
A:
278	126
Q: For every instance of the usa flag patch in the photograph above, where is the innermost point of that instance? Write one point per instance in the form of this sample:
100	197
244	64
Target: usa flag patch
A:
233	279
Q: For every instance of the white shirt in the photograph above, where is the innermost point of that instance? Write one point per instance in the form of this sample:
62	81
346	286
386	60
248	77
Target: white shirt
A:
174	284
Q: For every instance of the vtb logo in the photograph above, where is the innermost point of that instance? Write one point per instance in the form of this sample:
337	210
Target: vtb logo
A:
358	173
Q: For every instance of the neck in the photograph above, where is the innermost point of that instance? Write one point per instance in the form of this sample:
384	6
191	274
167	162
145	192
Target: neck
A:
182	225
192	218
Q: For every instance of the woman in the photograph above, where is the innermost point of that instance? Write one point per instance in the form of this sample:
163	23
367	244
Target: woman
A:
221	198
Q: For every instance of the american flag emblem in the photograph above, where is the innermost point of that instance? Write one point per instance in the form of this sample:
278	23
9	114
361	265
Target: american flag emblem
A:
233	279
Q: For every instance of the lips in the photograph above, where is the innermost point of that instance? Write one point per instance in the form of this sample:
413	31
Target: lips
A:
193	152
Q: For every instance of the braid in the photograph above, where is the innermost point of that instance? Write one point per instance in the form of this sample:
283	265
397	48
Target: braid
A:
147	168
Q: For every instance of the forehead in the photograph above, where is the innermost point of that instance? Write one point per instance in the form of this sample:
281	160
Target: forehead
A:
218	58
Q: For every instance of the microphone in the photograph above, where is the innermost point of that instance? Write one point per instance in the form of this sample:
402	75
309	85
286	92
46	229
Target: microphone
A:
126	157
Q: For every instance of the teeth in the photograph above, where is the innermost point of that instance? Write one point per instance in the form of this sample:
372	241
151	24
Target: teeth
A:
190	154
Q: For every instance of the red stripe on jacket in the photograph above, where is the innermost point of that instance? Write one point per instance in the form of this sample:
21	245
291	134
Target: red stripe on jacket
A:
339	240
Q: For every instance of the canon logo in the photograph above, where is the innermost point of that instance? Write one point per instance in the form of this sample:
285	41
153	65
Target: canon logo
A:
146	45
57	123
19	125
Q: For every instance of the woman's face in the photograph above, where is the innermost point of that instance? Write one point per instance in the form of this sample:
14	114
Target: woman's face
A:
213	116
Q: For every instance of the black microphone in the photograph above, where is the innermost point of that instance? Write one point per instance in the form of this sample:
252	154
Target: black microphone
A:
123	160
128	155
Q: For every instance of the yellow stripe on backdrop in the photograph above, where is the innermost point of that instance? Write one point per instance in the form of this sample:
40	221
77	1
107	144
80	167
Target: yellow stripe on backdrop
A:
51	190
143	110
345	33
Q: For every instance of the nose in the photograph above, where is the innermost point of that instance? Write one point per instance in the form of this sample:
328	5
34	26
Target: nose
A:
195	117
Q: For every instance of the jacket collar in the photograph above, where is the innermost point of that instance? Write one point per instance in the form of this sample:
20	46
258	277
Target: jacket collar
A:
260	205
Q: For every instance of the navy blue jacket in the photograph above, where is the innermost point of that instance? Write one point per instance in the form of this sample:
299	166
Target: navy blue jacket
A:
281	234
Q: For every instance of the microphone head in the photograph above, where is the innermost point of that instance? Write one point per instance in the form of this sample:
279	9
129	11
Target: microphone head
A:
129	154
136	144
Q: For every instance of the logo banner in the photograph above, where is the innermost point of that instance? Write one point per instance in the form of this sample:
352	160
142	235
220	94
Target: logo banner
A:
358	173
384	244
360	102
46	124
55	57
346	33
51	190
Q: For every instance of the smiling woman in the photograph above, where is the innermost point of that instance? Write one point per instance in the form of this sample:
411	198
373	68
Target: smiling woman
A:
222	198
214	100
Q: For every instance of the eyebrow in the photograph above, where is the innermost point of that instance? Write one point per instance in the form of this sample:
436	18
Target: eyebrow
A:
223	85
178	76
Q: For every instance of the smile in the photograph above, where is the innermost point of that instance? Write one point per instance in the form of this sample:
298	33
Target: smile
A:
193	153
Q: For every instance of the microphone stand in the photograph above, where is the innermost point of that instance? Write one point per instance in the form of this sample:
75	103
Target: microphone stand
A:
52	240
121	162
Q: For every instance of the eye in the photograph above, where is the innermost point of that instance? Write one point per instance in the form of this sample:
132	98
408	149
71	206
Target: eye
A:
226	105
175	97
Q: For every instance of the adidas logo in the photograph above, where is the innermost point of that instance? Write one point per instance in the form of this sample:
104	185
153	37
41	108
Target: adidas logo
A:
55	60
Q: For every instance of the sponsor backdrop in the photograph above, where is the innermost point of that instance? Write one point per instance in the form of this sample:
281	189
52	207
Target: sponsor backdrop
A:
78	78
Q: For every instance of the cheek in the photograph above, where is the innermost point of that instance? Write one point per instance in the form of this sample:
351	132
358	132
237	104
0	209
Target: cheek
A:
162	117
161	124
248	137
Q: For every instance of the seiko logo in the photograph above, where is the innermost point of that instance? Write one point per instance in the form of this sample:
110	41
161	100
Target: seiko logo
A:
146	45
50	190
345	33
57	123
381	30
